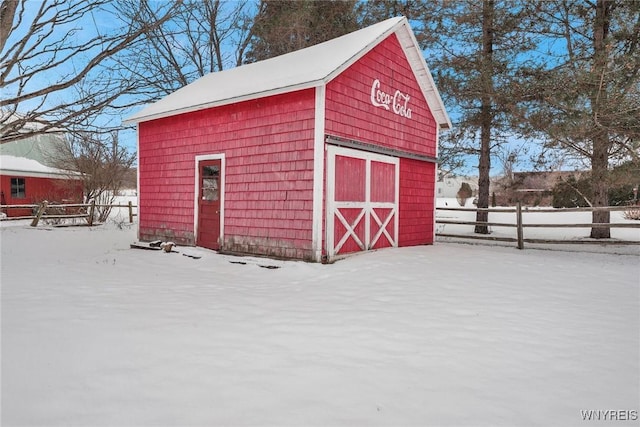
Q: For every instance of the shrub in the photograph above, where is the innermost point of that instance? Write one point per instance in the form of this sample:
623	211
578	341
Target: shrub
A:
572	192
464	193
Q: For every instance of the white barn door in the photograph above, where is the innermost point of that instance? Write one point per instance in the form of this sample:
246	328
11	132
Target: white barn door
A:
362	201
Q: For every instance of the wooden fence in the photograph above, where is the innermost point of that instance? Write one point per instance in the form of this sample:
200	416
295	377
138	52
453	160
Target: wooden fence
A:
519	225
44	211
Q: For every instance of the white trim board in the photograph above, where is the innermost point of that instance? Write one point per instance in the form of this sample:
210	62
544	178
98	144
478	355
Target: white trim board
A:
318	173
198	159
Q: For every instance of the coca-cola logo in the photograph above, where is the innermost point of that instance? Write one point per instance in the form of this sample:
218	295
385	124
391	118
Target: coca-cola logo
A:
398	102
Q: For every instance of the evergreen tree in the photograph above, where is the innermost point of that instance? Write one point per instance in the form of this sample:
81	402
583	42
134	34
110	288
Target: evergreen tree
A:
587	100
420	16
477	52
283	26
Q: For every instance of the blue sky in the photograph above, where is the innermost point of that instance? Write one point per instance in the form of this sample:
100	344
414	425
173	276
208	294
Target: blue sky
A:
102	23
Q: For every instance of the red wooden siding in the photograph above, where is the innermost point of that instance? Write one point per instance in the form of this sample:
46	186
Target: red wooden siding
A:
417	186
38	189
268	147
351	115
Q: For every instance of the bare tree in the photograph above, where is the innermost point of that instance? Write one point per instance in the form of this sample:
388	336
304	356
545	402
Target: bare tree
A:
48	48
101	164
202	37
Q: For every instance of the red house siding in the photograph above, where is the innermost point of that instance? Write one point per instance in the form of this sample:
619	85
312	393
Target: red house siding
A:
351	115
268	148
417	186
38	189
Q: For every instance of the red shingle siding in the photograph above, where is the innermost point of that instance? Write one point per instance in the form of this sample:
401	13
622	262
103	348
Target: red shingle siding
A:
39	189
417	180
268	148
350	113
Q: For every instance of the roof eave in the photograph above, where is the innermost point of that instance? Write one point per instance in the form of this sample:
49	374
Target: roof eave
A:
38	174
421	71
222	102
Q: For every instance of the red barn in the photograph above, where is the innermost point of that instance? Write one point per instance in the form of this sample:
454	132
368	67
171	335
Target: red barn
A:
25	181
313	154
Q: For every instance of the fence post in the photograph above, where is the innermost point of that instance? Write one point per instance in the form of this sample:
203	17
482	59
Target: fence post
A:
130	212
41	211
92	211
519	225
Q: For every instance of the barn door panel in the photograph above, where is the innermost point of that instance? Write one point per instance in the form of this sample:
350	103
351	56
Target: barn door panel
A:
383	177
362	201
350	174
383	194
349	230
382	228
350	195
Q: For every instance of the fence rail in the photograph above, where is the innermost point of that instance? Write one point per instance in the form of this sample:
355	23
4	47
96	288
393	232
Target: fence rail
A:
64	211
519	225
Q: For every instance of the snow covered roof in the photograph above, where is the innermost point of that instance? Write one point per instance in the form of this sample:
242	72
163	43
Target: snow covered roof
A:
40	147
21	166
302	69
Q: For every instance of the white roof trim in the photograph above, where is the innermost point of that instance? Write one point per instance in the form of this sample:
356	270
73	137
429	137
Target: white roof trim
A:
423	76
226	101
35	174
366	49
302	69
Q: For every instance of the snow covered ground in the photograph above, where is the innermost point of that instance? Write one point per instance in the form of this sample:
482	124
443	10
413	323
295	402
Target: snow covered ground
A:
97	334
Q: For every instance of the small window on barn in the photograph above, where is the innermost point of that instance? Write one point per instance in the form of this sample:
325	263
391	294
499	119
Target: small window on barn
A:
18	188
210	183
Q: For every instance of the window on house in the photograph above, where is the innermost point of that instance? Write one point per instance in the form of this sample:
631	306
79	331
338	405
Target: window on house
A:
210	181
17	188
